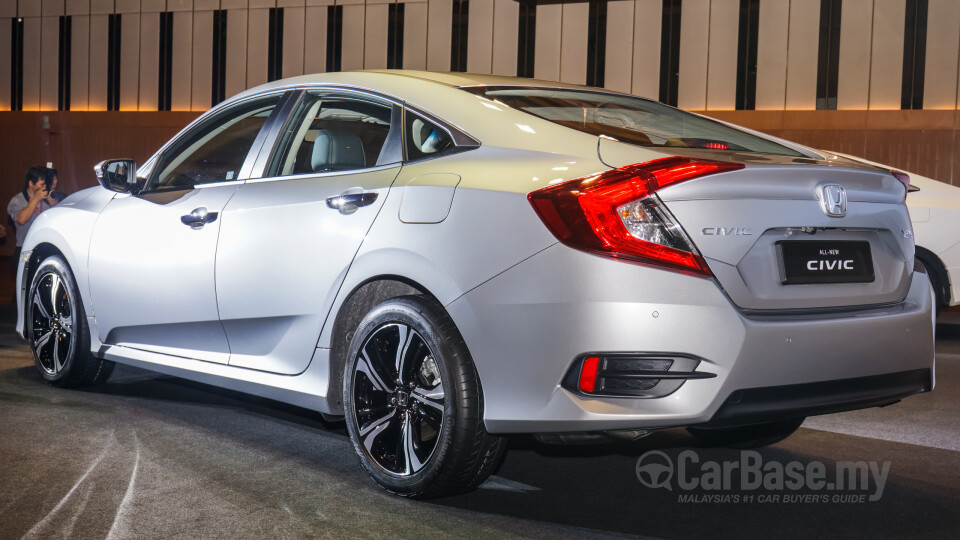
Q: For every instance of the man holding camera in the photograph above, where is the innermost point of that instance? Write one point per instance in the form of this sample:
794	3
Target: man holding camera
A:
25	206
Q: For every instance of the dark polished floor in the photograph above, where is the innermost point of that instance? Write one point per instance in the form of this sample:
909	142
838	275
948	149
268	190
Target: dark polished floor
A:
150	456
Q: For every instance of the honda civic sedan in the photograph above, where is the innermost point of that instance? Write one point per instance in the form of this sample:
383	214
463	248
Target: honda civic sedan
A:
443	259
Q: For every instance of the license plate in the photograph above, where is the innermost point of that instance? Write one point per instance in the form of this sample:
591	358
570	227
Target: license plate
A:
811	261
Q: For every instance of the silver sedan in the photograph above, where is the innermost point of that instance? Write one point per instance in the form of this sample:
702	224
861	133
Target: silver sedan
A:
441	259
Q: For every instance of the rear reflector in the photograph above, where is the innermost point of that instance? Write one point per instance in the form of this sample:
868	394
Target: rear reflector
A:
588	374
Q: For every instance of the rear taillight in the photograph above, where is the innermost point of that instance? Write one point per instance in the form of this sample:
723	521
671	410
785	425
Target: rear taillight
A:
617	213
904	179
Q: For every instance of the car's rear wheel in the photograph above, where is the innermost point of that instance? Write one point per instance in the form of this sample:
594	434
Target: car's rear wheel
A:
414	405
751	436
57	329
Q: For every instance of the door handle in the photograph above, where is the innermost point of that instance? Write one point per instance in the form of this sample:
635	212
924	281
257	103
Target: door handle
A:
199	217
347	203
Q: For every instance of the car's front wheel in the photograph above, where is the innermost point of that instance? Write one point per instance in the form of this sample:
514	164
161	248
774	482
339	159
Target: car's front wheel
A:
414	405
751	436
57	329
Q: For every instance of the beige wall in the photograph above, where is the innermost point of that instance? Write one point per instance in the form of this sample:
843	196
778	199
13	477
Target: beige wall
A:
871	48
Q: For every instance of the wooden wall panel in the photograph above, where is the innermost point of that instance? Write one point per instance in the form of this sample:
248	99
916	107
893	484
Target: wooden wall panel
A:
546	61
647	22
573	43
97	83
315	39
376	28
49	62
618	64
415	36
181	77
943	49
201	82
236	77
887	54
856	29
80	63
293	40
772	34
149	61
722	55
506	23
129	61
31	63
258	23
694	36
439	23
803	44
353	37
5	37
480	36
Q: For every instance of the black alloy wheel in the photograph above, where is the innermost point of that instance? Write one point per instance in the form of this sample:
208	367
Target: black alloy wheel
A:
413	402
398	399
57	331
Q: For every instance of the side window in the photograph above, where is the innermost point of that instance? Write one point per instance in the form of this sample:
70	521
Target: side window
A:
425	138
215	150
336	133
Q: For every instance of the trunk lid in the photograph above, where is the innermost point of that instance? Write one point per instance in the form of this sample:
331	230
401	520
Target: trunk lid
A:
745	223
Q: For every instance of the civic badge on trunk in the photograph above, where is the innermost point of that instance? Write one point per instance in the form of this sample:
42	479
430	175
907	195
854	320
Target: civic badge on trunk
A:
833	200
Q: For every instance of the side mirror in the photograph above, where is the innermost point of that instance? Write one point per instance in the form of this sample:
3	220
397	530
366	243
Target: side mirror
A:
119	175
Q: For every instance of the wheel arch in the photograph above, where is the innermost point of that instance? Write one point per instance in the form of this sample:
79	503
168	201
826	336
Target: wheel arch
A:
939	270
356	305
38	253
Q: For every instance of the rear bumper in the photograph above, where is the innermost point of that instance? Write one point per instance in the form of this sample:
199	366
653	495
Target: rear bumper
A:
525	327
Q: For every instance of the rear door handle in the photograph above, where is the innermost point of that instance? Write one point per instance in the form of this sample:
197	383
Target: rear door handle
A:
347	203
199	217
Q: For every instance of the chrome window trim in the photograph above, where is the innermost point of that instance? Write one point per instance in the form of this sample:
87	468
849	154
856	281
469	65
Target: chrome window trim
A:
306	176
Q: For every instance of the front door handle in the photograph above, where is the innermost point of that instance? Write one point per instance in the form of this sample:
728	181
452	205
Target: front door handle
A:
198	218
347	203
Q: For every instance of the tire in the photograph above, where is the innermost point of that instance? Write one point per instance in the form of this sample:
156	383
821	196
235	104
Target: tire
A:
418	430
752	436
56	329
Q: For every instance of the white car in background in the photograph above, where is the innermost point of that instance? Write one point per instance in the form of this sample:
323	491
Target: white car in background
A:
935	214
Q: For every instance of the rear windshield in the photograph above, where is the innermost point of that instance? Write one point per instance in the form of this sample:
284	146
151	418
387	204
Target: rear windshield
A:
629	119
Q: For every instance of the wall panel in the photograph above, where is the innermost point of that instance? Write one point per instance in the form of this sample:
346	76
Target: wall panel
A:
647	23
618	64
573	43
506	21
293	41
439	26
49	62
546	61
694	56
31	63
415	36
772	35
258	22
181	74
97	96
5	37
80	63
722	63
130	62
887	54
480	35
375	39
943	49
802	49
856	35
315	39
236	76
149	61
353	37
